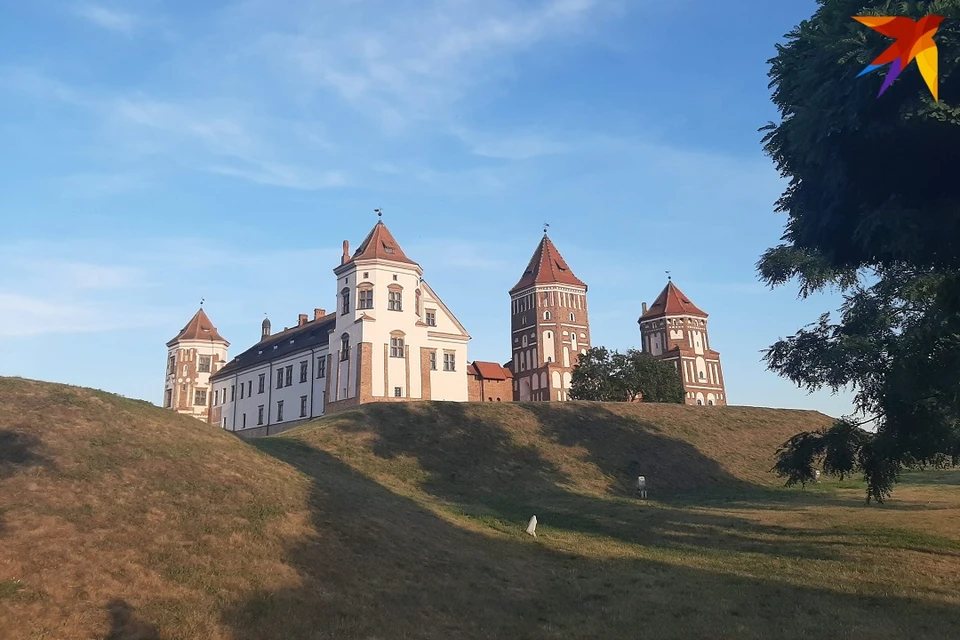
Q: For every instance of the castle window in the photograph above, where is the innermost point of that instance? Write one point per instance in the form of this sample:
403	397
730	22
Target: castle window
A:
431	318
573	317
344	347
345	300
396	347
710	402
260	415
249	388
523	341
279	378
263	378
303	370
279	410
200	397
449	362
702	375
366	274
171	365
303	406
321	367
243	424
546	315
241	390
398	392
233	392
365	298
289	372
394	275
395	301
433	361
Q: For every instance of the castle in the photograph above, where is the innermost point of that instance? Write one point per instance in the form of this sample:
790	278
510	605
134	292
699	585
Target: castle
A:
392	339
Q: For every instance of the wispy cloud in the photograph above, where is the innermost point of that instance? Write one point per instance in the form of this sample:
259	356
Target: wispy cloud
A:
417	62
107	18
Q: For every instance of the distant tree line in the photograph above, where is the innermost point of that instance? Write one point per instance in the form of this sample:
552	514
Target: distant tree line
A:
611	376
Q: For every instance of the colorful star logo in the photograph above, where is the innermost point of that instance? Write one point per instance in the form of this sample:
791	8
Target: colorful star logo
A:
914	39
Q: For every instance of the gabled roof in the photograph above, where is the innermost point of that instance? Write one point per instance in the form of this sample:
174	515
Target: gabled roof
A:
488	371
199	328
381	244
312	334
547	266
672	302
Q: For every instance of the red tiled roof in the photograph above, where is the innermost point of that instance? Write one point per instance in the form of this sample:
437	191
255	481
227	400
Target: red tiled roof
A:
547	266
672	302
488	371
199	328
381	244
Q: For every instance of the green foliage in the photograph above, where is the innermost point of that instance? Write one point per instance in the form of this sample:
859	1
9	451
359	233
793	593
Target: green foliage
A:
873	210
841	450
610	376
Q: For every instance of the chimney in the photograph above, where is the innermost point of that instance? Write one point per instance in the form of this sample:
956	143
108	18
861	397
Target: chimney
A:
301	319
644	307
346	252
319	313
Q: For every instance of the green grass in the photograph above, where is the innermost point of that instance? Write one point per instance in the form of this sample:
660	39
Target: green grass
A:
406	521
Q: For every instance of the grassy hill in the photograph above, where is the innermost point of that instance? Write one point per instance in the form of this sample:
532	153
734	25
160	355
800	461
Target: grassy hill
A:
121	520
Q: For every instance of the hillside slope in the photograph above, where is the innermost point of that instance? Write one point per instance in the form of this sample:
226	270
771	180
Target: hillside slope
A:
122	521
590	448
103	498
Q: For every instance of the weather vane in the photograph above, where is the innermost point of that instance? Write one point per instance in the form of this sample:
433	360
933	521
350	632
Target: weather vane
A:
379	212
546	225
668	275
201	301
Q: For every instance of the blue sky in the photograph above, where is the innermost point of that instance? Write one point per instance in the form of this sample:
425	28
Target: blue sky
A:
159	152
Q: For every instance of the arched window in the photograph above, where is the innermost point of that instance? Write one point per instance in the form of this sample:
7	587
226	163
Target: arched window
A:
710	402
573	317
699	403
523	341
498	399
344	347
546	315
345	295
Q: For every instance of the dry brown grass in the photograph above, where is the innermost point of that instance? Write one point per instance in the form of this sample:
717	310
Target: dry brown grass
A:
406	521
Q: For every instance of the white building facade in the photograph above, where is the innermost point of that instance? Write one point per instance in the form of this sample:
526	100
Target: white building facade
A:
390	339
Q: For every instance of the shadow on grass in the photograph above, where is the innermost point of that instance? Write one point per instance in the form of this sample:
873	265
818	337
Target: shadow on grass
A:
478	465
125	626
382	566
931	477
18	451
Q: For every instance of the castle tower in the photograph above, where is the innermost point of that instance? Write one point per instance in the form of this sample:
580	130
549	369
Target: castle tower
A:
549	326
674	329
393	339
192	356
